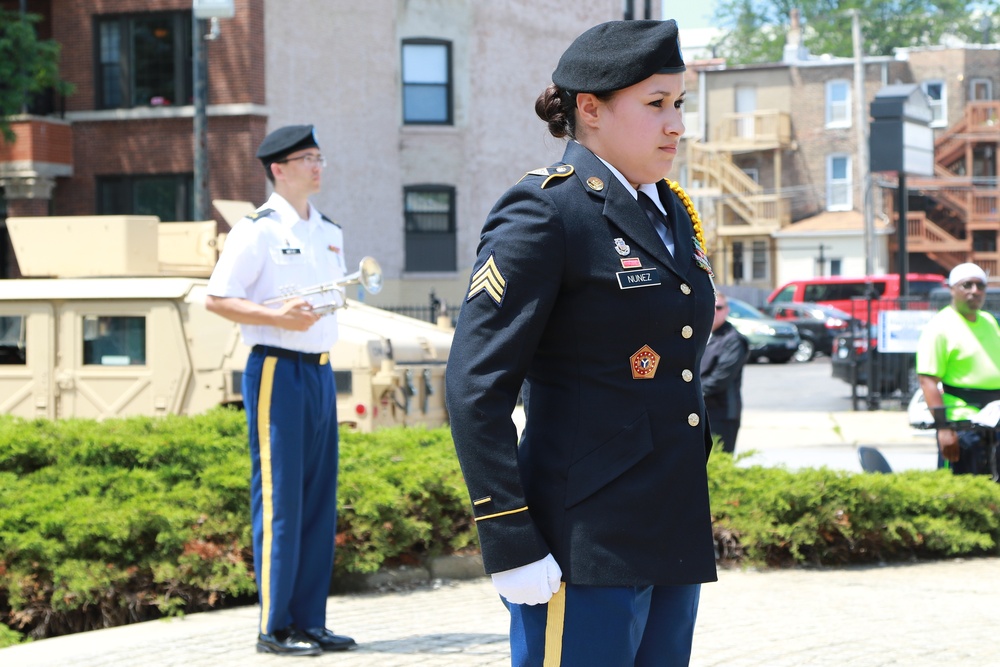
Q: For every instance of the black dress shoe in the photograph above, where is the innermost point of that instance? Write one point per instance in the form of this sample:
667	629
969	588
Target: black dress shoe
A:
287	642
329	641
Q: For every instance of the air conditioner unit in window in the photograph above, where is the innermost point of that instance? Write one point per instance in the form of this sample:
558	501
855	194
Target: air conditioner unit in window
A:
214	9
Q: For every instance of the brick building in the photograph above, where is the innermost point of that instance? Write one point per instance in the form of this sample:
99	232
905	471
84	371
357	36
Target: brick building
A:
779	184
425	110
122	141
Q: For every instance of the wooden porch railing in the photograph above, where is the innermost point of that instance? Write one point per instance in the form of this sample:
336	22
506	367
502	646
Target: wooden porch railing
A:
923	235
755	128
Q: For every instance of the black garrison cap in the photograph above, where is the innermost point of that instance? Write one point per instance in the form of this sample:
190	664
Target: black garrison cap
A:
285	141
618	54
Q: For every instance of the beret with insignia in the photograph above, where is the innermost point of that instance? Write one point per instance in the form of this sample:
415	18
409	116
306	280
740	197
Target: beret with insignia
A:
285	141
619	54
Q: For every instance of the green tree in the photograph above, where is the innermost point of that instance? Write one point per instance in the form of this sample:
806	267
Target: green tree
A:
28	66
756	30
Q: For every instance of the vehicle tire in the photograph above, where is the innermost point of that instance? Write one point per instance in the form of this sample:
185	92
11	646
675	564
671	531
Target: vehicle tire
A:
806	351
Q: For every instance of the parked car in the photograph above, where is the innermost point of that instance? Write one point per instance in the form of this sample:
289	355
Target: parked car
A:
894	373
776	341
817	325
850	294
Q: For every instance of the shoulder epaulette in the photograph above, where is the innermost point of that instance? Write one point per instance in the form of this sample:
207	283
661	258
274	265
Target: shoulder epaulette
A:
262	213
560	171
326	219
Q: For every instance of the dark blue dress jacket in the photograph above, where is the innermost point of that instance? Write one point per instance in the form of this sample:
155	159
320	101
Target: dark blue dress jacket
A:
609	475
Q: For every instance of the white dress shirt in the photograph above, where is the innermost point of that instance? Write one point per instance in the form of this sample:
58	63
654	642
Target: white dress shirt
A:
277	254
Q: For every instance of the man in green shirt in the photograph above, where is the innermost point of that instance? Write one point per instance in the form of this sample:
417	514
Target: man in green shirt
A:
958	362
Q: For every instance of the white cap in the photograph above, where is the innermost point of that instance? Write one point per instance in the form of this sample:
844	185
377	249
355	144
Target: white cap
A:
964	272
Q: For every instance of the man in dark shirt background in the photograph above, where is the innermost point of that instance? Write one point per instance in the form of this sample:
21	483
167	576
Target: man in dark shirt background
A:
722	376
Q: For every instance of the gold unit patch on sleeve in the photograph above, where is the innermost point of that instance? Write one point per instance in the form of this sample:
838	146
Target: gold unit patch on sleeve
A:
488	279
644	363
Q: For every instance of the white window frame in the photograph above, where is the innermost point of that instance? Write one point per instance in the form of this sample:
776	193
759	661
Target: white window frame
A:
426	75
939	107
839	191
838	112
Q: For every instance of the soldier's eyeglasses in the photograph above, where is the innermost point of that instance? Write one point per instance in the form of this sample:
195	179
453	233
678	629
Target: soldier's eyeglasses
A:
969	284
310	160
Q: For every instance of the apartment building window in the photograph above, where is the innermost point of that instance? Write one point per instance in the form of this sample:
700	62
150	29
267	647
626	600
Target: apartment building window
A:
838	103
143	60
429	212
759	266
984	240
980	90
168	196
935	92
836	267
427	82
838	183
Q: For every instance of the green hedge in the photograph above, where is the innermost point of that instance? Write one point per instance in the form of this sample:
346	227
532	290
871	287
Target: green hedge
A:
774	517
126	520
108	523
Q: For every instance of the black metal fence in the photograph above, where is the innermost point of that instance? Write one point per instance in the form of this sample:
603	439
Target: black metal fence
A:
879	379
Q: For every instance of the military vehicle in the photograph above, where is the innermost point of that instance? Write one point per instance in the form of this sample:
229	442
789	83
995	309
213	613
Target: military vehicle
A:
109	321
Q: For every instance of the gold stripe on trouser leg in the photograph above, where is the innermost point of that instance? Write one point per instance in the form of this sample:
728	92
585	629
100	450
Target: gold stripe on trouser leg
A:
266	484
554	621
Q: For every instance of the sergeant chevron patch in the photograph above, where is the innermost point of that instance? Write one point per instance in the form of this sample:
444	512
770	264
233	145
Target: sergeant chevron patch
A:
488	279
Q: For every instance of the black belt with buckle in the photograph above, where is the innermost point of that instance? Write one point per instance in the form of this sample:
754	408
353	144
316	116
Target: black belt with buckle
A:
318	358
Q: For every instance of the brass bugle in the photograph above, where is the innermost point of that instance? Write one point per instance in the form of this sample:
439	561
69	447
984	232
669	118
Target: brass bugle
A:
368	275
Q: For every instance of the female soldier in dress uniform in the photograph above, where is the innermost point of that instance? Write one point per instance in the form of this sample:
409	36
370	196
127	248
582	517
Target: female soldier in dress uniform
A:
592	288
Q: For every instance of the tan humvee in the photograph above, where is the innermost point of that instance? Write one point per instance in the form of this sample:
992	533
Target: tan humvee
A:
110	321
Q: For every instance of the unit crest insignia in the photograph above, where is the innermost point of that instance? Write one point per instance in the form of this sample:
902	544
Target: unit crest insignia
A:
644	363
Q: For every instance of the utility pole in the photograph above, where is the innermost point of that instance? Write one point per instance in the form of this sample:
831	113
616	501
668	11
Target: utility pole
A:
200	81
821	260
861	133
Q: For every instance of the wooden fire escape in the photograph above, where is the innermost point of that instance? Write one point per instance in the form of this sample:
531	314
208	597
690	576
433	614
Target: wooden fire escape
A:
743	209
963	219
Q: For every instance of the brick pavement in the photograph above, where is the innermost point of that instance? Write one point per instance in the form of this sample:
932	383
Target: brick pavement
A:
917	615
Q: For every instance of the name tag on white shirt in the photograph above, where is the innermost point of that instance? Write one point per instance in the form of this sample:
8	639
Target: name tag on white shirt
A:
287	255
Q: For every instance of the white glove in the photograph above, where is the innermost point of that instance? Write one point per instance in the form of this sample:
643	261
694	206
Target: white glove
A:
531	584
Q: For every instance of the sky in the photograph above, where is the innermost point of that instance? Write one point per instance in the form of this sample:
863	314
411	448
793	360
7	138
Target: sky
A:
689	13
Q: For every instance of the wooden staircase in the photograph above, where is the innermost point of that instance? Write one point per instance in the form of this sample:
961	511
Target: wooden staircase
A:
748	208
974	201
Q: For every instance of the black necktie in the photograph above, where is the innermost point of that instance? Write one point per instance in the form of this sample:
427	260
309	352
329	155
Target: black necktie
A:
658	219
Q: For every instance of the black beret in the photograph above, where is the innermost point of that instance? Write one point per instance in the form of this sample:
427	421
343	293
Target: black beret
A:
618	54
285	141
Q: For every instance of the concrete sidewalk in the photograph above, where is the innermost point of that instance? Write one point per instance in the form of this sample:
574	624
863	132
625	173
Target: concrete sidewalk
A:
923	615
815	439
